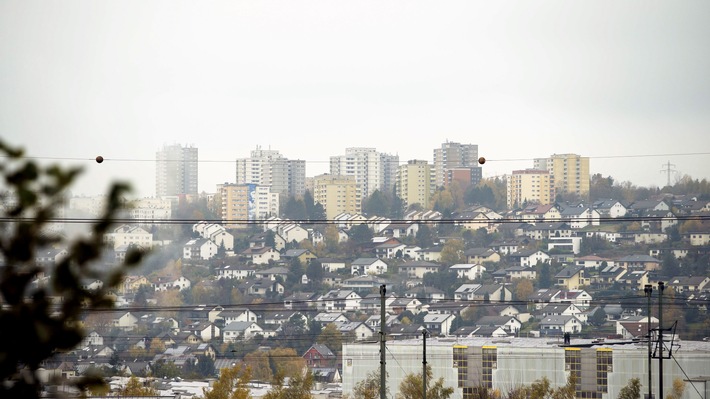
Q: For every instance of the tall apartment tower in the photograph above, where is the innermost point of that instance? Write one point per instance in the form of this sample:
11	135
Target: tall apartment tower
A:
176	171
270	168
414	183
337	194
454	156
372	170
569	171
244	203
531	186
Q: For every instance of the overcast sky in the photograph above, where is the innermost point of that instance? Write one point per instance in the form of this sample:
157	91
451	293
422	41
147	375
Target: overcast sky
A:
521	79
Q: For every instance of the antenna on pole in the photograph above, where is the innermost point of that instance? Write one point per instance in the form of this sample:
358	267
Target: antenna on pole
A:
668	168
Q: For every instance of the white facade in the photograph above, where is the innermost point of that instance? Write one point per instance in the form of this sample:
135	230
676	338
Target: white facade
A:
176	171
468	271
130	235
270	168
371	169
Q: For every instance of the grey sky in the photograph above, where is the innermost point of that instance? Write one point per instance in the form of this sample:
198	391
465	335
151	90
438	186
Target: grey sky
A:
522	79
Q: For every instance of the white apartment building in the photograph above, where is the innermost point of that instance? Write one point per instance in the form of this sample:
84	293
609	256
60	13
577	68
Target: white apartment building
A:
415	183
126	235
242	203
176	171
453	156
146	210
271	169
372	170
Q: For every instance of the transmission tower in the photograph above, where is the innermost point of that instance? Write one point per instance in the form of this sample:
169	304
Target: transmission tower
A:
668	168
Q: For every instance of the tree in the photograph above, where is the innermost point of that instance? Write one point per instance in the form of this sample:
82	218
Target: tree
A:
295	272
231	384
412	384
598	318
452	252
424	237
299	387
360	234
632	390
332	238
523	289
369	388
258	364
331	337
669	265
376	205
314	271
33	195
544	274
677	390
135	388
163	369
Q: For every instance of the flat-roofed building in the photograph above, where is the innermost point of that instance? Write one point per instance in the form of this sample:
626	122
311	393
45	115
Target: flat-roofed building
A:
530	186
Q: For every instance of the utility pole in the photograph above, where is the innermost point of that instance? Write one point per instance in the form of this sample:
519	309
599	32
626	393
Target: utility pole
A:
661	287
648	290
668	168
424	334
383	322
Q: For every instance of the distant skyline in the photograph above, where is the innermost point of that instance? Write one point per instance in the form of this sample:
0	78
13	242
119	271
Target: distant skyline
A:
522	80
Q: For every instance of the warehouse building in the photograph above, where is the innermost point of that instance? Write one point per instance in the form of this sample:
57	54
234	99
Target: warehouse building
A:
602	368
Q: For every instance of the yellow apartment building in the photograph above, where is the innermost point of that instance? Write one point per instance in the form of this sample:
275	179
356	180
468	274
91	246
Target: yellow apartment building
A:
337	194
531	186
570	172
414	183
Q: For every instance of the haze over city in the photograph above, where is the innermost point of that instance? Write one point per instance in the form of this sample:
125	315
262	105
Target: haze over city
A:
120	79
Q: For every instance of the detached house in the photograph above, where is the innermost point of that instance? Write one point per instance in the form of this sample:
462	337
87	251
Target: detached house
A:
261	256
339	300
199	249
365	266
169	283
558	325
417	269
468	271
481	255
530	257
439	323
319	355
239	330
571	278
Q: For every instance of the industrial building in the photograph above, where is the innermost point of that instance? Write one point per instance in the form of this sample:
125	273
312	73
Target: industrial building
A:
602	369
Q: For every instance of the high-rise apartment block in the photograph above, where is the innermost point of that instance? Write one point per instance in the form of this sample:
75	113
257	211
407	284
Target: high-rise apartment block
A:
243	204
415	183
372	170
455	156
337	194
270	168
530	186
176	171
570	172
465	177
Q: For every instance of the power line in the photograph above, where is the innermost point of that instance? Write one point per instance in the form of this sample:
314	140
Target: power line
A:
109	159
462	221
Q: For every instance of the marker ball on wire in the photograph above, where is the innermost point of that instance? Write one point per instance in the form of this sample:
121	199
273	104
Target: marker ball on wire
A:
99	159
481	160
